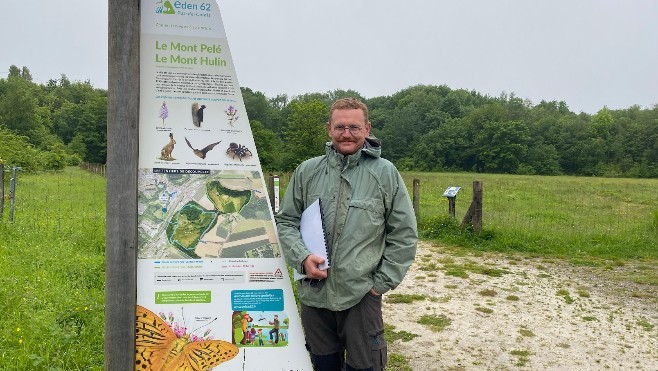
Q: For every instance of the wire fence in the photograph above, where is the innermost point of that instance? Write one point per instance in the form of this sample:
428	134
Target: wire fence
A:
68	202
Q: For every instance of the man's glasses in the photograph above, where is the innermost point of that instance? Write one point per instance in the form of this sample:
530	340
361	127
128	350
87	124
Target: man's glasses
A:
354	129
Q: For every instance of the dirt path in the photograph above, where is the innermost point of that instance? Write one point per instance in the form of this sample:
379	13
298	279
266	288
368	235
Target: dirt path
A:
527	314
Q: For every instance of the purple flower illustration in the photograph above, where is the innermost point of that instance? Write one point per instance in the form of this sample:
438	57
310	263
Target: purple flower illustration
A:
164	112
232	114
181	330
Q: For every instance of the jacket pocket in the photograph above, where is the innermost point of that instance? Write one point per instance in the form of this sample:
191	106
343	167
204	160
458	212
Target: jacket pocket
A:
371	210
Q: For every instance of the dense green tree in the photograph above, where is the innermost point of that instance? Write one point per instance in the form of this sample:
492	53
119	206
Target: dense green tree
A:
502	146
422	127
256	104
400	133
333	96
305	132
445	148
93	129
15	150
18	106
541	159
269	146
14	71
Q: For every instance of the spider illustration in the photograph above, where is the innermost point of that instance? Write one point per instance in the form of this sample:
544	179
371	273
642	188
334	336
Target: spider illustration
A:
239	150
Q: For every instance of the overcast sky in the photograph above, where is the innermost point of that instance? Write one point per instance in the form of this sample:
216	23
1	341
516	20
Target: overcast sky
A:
589	53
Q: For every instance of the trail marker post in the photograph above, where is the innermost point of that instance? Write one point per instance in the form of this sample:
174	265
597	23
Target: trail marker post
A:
451	194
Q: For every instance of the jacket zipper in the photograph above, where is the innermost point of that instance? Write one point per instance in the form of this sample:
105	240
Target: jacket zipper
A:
338	204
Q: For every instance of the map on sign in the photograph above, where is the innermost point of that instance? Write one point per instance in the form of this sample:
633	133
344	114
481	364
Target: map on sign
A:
224	214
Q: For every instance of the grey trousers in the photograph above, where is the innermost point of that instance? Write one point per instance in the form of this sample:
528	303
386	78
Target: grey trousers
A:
354	337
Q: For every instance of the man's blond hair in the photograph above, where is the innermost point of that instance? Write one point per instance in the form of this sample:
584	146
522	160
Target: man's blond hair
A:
349	103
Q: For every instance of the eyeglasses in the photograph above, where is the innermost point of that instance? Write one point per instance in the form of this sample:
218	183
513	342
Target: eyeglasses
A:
354	129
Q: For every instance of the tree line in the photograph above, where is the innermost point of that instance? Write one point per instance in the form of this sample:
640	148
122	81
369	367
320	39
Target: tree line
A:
436	128
423	127
52	125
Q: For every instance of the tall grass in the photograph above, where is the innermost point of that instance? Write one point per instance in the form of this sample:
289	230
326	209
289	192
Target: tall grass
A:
559	216
572	217
53	272
53	254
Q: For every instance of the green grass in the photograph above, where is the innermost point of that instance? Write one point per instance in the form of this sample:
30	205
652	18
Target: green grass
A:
397	362
484	310
390	335
53	254
565	294
53	273
488	292
648	326
525	332
404	298
577	218
566	217
436	323
523	356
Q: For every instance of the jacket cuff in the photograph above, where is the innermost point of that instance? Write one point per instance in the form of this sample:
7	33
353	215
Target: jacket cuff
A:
301	269
380	288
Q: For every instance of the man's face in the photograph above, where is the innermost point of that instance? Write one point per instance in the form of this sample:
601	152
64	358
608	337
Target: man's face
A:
348	130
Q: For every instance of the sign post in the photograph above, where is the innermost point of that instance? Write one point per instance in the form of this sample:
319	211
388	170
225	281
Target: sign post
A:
209	265
451	194
121	195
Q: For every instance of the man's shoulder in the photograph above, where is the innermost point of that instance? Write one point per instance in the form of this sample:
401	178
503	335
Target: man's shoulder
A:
311	163
382	165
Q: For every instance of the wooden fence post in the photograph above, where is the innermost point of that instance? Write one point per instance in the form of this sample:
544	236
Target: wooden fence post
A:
416	200
474	213
121	201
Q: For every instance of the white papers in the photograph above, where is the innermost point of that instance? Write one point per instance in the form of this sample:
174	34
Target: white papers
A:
311	227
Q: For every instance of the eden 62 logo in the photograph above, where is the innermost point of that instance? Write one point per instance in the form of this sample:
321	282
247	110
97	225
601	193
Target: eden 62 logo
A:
170	8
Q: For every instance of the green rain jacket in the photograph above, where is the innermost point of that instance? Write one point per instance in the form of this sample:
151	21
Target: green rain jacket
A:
369	223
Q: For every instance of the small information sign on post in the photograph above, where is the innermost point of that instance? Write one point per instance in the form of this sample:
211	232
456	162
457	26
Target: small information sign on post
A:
274	193
451	194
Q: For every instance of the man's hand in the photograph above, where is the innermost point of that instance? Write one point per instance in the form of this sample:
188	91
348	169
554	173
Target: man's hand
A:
311	267
374	292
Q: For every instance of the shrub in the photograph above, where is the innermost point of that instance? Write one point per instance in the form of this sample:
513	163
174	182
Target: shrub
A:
439	226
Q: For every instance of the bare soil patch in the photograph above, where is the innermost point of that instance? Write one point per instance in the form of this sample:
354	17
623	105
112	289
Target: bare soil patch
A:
523	313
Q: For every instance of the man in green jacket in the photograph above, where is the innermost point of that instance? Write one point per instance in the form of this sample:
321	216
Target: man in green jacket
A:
371	236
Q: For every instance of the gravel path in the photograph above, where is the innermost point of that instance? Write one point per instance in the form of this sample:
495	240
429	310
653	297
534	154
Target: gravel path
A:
523	313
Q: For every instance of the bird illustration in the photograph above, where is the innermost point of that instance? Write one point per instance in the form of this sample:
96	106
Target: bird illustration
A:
197	114
202	152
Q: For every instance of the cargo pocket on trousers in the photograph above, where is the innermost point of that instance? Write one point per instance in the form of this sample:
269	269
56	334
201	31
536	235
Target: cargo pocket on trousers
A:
378	349
375	333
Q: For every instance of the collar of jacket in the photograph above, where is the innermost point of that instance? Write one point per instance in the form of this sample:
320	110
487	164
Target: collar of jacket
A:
372	147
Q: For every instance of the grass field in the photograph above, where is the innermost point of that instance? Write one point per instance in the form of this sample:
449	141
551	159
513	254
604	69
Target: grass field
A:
53	273
578	218
53	254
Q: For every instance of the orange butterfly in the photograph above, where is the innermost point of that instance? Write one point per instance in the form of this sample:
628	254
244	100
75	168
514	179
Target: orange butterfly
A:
158	348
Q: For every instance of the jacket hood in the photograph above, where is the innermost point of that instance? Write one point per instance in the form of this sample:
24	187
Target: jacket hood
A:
373	146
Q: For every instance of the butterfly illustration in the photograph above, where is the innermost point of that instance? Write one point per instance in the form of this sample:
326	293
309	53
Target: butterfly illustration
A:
159	347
